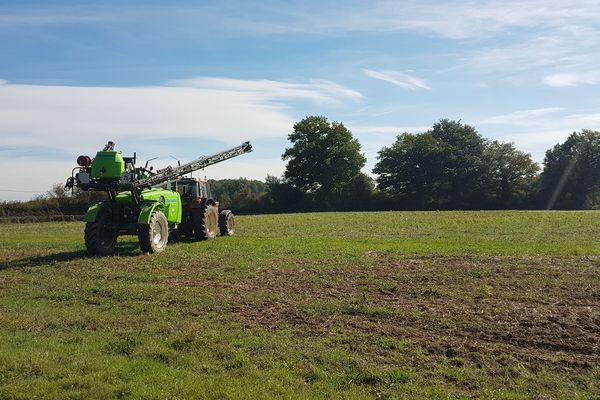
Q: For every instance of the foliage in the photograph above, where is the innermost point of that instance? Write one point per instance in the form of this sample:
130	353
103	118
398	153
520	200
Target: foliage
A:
511	176
571	176
323	160
451	166
241	195
284	197
410	170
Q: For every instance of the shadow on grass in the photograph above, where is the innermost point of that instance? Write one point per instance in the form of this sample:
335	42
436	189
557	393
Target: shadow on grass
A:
174	239
125	249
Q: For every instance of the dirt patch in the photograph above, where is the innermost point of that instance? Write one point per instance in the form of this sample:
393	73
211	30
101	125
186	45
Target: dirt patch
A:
539	310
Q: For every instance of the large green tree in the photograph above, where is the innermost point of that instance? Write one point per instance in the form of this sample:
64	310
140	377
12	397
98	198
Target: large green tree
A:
571	175
411	170
441	168
451	166
463	164
510	175
324	159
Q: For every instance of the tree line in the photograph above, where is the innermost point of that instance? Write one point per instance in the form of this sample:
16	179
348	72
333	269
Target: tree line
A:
448	167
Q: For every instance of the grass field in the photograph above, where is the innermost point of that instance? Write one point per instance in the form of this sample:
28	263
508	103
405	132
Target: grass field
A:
336	305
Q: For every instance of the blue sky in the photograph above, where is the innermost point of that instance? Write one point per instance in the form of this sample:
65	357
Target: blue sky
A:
184	79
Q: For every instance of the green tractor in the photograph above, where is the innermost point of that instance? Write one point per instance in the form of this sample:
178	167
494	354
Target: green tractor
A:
149	204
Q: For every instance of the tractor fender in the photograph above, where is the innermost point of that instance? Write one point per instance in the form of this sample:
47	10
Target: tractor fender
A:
92	213
147	209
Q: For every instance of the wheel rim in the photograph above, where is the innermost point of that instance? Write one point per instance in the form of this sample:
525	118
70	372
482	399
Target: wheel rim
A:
230	224
211	224
158	234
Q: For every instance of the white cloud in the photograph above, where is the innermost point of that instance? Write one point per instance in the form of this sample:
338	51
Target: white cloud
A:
63	116
572	79
320	91
3	82
227	110
520	118
79	120
398	78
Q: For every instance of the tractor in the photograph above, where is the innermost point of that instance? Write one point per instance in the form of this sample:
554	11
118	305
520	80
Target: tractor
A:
149	204
200	216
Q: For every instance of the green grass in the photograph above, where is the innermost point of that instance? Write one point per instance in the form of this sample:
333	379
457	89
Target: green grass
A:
332	305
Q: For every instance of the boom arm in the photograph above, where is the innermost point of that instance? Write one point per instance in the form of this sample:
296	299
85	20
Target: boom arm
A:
170	173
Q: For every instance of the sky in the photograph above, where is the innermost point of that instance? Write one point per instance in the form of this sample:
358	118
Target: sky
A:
181	79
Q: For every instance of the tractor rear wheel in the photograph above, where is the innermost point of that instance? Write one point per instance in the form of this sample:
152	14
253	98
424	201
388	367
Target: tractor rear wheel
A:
205	221
154	236
101	235
226	223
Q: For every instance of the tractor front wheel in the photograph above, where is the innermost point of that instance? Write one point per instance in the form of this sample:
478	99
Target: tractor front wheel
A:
101	235
205	221
226	223
154	236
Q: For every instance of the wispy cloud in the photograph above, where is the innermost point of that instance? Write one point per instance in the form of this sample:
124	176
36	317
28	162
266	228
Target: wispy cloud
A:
48	17
568	49
520	118
320	91
539	129
462	19
572	79
525	35
398	78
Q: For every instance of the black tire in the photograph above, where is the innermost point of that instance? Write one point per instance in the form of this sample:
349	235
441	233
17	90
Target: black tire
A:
101	235
226	223
154	236
206	222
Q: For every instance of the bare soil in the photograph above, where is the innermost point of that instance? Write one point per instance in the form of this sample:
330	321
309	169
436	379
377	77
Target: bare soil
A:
543	312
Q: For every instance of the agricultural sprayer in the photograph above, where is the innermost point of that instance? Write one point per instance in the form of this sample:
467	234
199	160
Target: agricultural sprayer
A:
149	204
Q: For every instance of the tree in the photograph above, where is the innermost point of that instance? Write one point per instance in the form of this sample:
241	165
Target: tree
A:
463	164
571	175
441	168
323	158
283	197
357	194
410	171
451	166
511	175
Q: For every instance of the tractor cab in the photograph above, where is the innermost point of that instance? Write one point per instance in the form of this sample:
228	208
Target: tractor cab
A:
189	188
